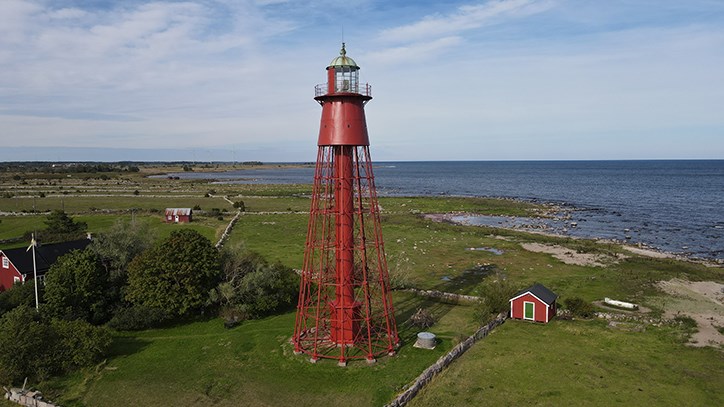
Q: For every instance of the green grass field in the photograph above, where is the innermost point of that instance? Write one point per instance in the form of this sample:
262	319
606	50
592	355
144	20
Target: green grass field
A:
202	363
579	363
563	363
84	203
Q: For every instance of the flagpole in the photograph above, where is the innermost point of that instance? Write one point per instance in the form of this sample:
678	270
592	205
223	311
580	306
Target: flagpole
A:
35	274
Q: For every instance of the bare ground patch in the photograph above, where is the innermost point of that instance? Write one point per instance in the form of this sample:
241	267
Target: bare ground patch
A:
701	300
569	256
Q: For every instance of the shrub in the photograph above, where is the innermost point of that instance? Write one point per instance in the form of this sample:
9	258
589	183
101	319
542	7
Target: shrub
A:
240	206
495	295
138	317
19	294
253	288
34	347
686	322
579	307
79	344
267	290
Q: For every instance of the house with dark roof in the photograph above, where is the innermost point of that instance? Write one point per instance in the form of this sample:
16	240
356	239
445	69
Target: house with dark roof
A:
535	303
16	265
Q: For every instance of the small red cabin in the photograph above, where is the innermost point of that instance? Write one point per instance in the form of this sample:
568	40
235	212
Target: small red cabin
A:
535	303
178	215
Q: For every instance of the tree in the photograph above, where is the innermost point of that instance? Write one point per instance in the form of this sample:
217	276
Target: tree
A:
116	248
59	222
176	275
75	288
61	227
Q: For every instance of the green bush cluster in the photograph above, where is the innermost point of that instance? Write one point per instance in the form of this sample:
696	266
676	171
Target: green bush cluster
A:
33	346
253	288
495	296
578	307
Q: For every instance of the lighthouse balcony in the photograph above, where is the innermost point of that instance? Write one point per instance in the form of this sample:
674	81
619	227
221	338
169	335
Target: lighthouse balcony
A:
363	89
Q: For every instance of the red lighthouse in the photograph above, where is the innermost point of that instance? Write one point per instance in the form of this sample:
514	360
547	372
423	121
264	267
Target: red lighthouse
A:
345	306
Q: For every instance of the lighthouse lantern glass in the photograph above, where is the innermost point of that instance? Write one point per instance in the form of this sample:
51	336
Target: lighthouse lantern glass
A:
346	79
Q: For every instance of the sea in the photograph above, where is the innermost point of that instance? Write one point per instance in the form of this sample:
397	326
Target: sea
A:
676	206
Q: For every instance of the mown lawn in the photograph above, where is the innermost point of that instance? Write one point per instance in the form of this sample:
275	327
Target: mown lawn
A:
202	363
579	363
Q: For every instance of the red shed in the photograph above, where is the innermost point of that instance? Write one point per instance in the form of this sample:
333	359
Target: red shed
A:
535	303
178	215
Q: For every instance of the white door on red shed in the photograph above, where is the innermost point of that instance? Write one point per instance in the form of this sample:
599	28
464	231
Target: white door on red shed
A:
528	310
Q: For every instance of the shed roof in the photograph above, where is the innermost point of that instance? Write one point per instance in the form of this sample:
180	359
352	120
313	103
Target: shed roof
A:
540	291
178	211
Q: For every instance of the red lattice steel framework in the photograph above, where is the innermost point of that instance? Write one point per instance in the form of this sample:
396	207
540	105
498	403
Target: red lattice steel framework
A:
345	307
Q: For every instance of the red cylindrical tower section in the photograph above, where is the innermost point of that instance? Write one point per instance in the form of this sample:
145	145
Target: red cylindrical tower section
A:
343	121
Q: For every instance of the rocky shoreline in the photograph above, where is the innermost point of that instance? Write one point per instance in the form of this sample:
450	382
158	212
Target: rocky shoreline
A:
554	213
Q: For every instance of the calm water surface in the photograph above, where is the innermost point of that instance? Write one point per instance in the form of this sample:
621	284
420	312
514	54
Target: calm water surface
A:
677	206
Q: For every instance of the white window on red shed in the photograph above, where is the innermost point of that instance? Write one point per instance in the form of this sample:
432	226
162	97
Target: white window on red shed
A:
169	217
16	279
6	263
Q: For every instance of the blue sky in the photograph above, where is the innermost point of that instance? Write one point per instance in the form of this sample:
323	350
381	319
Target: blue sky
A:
452	80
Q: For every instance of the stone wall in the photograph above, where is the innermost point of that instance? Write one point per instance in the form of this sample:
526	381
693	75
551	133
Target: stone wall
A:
227	231
443	296
426	376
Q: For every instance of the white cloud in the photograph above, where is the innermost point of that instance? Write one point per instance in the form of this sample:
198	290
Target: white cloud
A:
416	52
481	77
466	17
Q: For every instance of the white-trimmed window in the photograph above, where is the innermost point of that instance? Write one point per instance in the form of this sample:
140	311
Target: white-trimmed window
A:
6	263
16	280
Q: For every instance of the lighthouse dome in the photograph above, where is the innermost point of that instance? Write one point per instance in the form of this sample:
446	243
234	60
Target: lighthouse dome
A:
343	60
